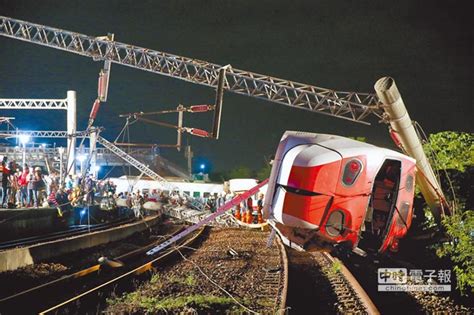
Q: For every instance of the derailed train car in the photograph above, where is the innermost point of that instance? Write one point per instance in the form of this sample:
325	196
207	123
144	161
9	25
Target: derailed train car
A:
327	191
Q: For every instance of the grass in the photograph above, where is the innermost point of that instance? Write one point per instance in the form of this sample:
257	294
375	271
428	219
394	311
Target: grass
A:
152	304
334	269
197	301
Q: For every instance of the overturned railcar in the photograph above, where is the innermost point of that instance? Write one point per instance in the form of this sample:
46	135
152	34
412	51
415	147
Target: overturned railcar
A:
327	191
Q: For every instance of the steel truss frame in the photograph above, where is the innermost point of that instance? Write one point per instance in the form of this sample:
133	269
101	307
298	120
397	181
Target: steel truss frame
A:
347	105
33	103
42	134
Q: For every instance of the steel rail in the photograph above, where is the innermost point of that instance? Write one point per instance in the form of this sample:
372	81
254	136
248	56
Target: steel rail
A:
136	271
81	273
351	281
284	285
60	234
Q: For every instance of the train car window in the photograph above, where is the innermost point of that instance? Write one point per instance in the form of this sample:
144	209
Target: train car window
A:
187	193
206	195
298	191
351	172
335	223
196	194
409	183
403	214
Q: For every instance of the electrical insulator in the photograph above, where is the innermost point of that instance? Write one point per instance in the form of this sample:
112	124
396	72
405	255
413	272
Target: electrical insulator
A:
102	86
199	108
95	109
198	132
394	136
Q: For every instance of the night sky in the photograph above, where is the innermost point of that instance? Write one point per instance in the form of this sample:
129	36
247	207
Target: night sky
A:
427	46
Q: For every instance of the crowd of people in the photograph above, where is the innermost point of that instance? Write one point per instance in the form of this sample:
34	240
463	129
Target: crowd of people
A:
29	187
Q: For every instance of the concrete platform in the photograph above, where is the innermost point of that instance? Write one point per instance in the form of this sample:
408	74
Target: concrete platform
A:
19	257
18	223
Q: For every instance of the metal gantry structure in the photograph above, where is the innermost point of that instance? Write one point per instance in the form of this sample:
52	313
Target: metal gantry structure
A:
347	105
68	104
22	103
42	134
352	106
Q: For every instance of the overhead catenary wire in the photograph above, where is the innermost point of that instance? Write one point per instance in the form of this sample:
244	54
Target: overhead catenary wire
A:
436	161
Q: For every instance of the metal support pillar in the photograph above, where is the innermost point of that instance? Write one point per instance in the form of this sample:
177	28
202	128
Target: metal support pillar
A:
180	125
401	123
61	167
71	129
93	152
189	155
216	126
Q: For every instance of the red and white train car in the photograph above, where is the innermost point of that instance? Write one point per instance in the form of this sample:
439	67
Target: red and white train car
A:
326	190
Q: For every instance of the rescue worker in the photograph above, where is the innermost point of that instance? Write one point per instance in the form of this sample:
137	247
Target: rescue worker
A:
14	186
23	183
259	208
237	212
69	183
62	200
40	187
5	181
249	210
89	190
32	190
137	203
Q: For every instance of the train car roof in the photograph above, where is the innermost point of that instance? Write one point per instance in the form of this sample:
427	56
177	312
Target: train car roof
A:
346	147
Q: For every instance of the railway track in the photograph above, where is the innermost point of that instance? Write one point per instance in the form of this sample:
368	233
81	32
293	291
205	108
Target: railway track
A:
351	296
321	283
74	231
86	289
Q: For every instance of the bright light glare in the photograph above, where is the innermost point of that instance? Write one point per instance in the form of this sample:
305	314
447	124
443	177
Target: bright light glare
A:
97	168
24	139
81	158
202	166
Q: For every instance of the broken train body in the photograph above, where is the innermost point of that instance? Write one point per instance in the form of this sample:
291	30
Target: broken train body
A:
327	191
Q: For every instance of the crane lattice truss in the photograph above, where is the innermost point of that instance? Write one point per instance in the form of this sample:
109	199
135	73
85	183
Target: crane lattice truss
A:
42	134
33	104
347	105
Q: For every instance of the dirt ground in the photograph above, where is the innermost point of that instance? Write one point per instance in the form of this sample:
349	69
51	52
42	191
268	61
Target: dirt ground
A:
225	273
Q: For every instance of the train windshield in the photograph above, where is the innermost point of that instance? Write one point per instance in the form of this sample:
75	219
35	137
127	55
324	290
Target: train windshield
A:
298	191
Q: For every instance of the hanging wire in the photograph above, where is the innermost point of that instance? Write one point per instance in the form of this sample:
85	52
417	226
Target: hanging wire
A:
435	159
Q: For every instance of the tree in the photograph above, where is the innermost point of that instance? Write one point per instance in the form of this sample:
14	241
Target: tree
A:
452	154
264	172
451	150
240	172
460	228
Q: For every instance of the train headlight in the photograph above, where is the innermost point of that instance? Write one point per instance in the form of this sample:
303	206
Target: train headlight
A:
351	171
335	223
